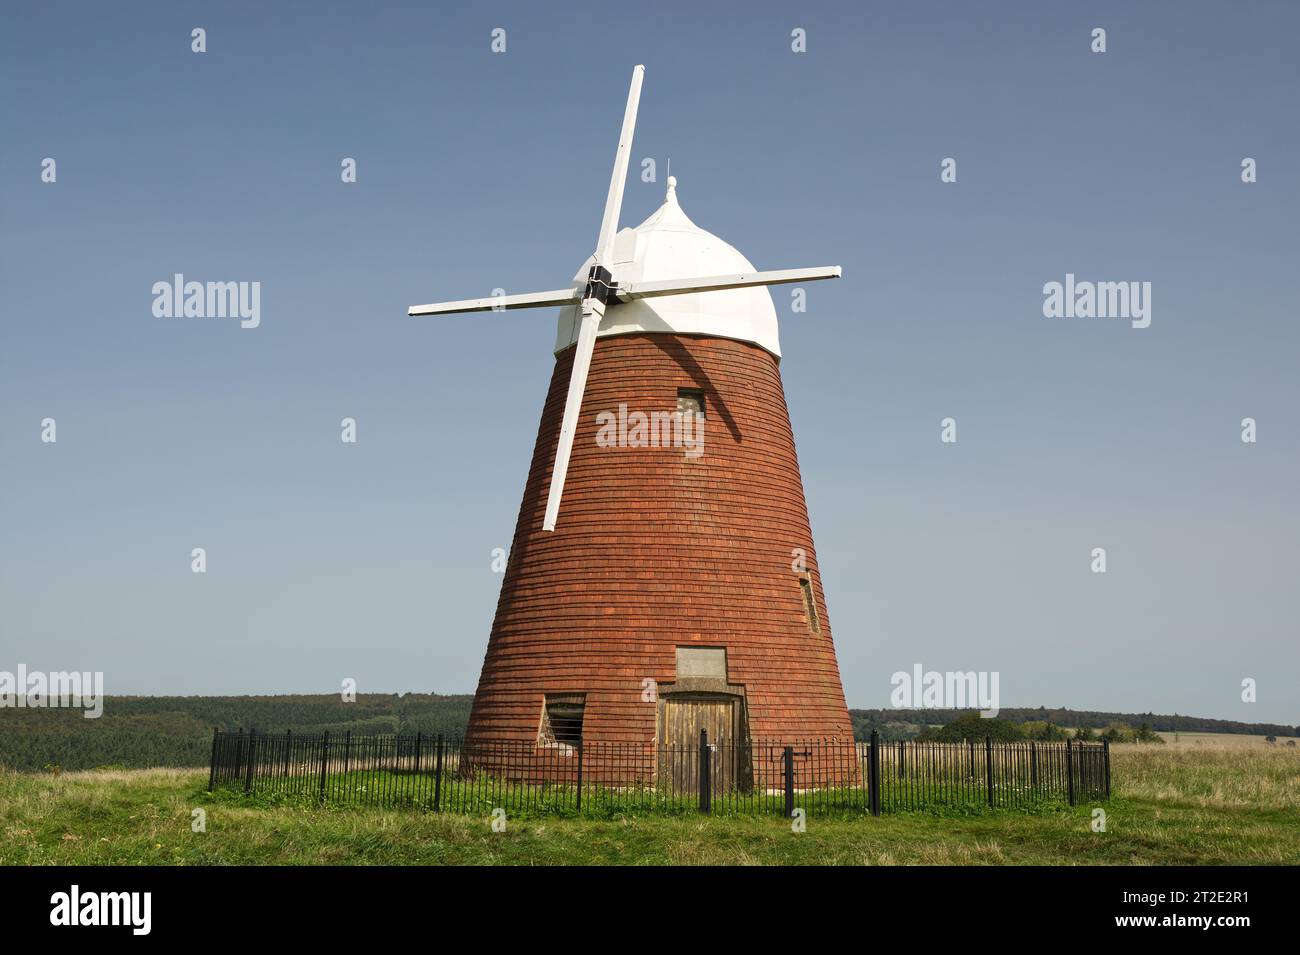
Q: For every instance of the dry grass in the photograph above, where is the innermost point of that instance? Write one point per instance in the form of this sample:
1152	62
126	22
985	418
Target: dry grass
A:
1235	740
1210	775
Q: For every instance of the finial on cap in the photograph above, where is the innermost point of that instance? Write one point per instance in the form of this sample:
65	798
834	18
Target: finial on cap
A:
672	189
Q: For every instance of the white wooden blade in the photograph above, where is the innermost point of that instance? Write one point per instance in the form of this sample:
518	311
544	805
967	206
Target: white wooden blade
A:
718	283
614	201
592	312
563	296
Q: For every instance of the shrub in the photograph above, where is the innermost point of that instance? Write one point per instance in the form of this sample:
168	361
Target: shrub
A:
972	726
1145	734
1042	731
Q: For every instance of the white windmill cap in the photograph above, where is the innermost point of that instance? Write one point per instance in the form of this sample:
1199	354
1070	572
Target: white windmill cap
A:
668	245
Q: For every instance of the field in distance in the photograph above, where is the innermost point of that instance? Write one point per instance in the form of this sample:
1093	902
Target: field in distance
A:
1228	739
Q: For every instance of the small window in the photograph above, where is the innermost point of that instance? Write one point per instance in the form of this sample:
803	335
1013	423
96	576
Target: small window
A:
810	604
690	400
562	720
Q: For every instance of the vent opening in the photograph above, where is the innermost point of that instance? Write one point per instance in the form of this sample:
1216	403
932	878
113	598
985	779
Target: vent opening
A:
810	604
562	720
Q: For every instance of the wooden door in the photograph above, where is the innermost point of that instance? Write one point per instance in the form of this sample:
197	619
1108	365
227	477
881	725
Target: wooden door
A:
684	716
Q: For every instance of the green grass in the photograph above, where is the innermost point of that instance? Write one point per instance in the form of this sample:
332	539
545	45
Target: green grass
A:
385	789
1173	805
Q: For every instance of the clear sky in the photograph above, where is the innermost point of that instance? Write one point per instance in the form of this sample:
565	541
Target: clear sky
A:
478	170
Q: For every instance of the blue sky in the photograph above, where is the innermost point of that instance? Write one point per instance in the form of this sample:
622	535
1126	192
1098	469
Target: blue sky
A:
478	170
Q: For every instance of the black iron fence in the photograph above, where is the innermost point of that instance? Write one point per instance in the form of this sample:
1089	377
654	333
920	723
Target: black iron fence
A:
917	775
468	776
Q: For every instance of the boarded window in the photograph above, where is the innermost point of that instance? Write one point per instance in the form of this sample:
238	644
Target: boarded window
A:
562	719
810	605
690	401
702	663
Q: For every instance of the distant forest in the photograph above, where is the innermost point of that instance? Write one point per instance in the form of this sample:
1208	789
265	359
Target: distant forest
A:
906	724
140	731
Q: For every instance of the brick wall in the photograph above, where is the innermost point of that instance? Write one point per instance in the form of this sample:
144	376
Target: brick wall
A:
653	550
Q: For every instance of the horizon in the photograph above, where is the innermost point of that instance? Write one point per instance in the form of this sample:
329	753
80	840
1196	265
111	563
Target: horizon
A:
852	708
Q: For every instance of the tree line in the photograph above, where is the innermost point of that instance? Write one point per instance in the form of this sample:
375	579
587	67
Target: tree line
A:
909	724
142	731
136	732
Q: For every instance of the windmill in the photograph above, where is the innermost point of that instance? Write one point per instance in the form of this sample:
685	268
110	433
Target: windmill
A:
586	643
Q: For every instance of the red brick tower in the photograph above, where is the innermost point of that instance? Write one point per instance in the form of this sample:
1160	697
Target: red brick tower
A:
662	580
680	588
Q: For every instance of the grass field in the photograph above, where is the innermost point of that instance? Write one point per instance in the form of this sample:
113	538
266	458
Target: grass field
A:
1184	802
1228	739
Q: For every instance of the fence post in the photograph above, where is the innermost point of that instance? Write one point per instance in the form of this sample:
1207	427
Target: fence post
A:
988	765
347	751
788	771
239	756
705	795
902	759
437	777
1069	768
579	802
873	771
252	761
970	745
1033	764
212	770
288	751
324	762
419	744
1105	753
